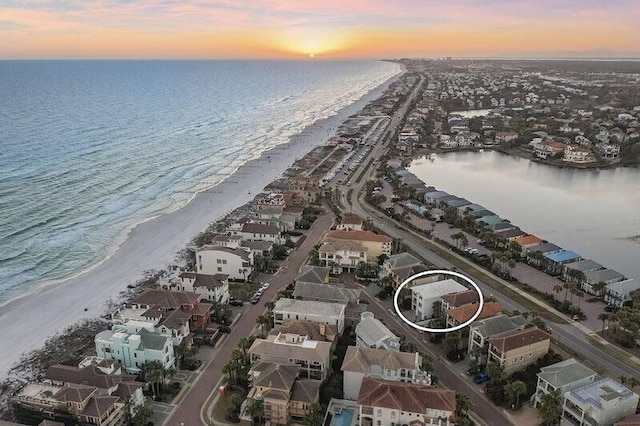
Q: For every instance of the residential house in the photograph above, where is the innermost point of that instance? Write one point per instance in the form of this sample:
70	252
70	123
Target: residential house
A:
455	300
607	276
372	333
400	267
342	255
312	355
526	242
224	240
549	149
629	421
165	305
578	155
308	329
425	295
584	266
350	222
258	247
462	314
562	377
272	199
257	231
313	275
601	403
69	403
385	402
510	234
134	349
320	312
286	397
481	331
374	244
360	362
308	188
544	248
236	263
503	137
326	293
616	294
514	351
434	197
555	260
214	288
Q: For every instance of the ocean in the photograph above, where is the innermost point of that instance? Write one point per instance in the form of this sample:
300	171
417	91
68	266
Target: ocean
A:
89	149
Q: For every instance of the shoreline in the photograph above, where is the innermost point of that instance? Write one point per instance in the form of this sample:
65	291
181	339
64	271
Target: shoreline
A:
154	242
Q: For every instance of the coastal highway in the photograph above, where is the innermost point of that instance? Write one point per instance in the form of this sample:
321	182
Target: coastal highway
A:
569	335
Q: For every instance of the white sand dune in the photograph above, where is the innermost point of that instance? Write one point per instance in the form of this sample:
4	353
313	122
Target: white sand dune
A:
26	322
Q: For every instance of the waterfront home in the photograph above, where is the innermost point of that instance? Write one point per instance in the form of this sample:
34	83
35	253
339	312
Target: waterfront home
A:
163	304
285	396
272	199
224	240
502	137
462	314
562	377
555	260
374	244
481	331
601	403
470	209
236	263
320	312
372	333
342	255
360	362
455	300
510	234
514	351
490	219
214	288
543	248
584	266
501	226
458	202
313	356
258	247
385	402
350	222
306	187
308	330
313	274
607	276
134	349
616	294
326	293
549	149
257	231
433	197
425	295
68	403
578	155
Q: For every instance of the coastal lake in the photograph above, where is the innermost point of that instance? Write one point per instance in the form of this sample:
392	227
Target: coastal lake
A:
595	213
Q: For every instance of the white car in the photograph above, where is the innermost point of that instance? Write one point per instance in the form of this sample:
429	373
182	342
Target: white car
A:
265	286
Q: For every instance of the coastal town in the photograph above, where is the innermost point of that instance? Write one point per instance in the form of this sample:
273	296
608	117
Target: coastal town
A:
283	311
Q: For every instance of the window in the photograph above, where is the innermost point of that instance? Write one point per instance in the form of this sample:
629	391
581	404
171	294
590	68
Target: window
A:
219	269
224	261
218	261
135	355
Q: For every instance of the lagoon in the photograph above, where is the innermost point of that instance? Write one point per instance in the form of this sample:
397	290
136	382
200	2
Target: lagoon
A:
595	213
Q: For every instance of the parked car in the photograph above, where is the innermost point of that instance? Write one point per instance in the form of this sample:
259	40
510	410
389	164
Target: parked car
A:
224	329
236	302
481	378
265	286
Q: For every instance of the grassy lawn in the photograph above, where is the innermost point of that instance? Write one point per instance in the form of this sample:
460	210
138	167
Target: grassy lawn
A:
220	409
242	291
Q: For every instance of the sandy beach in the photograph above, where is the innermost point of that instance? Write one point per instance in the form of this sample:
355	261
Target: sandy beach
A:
26	322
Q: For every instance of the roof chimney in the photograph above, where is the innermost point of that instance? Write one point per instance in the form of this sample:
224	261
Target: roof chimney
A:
323	329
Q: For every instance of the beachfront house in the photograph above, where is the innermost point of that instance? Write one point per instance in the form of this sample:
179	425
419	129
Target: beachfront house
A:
481	331
603	402
607	276
385	402
360	362
257	231
424	296
616	294
562	377
236	263
320	312
214	288
372	333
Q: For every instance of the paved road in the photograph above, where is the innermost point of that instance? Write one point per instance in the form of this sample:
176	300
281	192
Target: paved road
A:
188	413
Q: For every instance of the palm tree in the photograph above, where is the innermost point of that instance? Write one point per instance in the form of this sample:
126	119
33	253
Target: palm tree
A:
256	410
599	287
556	289
580	296
513	391
603	317
264	321
451	343
566	287
464	241
463	404
549	408
456	237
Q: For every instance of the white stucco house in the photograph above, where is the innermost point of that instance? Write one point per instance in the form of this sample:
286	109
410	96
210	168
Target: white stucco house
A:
134	349
602	403
372	333
424	296
236	263
562	377
319	312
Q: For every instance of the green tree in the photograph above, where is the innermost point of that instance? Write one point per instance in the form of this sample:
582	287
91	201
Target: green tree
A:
557	289
153	372
463	404
513	391
495	371
452	341
598	288
256	411
315	415
603	316
549	408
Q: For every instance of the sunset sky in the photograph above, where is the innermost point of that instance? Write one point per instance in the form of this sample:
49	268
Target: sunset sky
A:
324	28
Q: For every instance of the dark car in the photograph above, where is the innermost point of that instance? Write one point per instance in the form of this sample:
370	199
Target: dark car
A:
225	329
255	300
481	378
236	302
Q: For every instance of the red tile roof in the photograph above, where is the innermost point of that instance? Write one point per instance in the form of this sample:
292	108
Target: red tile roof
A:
462	314
519	339
359	236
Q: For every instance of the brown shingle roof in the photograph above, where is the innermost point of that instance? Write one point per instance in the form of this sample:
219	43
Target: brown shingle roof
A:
519	339
74	392
359	236
205	280
406	396
461	298
306	328
258	228
360	360
90	375
275	376
306	390
99	405
463	313
351	219
166	299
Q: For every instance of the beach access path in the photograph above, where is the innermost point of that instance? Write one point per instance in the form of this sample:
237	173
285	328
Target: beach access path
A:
188	412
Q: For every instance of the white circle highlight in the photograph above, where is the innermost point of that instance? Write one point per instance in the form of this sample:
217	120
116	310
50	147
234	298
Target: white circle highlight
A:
437	272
